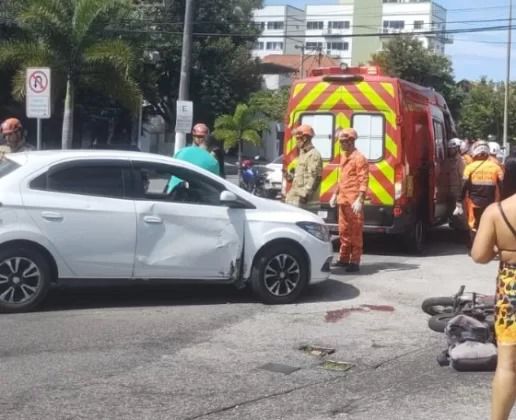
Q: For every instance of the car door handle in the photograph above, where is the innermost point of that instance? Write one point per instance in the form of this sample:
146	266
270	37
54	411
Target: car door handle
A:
52	215
153	219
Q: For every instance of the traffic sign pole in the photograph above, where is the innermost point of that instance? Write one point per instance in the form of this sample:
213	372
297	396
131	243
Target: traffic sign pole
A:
38	141
38	100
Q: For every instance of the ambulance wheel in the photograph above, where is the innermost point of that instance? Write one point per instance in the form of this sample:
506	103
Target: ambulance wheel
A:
414	238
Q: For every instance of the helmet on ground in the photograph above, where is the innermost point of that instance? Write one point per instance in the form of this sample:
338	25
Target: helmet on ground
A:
347	134
200	130
305	130
11	125
481	147
464	146
494	148
455	142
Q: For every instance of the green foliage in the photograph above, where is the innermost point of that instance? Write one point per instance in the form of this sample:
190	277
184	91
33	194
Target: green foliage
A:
223	71
70	37
406	57
243	125
272	103
482	111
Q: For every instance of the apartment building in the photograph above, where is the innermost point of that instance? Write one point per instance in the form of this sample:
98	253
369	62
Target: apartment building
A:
350	31
327	31
283	28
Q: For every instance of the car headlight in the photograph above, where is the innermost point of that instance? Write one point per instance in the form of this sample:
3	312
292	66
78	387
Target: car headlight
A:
321	232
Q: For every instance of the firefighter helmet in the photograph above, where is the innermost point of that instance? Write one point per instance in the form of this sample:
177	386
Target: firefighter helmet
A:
200	130
481	147
305	130
464	146
494	148
347	134
11	125
455	142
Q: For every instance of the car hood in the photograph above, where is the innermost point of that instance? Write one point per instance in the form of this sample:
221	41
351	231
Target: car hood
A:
284	212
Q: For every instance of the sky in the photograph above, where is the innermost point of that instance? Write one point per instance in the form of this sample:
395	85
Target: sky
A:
474	55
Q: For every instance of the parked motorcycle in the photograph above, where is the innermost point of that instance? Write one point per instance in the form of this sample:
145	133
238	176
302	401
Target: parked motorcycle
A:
253	177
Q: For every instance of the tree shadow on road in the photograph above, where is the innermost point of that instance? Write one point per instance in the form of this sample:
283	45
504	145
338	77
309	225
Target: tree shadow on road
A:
101	294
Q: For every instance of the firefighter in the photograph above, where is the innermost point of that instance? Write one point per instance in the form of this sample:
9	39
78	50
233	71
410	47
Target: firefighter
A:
482	179
197	154
452	173
465	152
350	196
306	180
494	151
12	131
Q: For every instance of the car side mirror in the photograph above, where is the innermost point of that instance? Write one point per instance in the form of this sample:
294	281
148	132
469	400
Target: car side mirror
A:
228	198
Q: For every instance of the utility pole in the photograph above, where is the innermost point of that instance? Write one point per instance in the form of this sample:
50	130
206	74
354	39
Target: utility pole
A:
507	82
186	60
302	65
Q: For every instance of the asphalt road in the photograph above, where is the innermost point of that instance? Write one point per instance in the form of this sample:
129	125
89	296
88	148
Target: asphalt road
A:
145	351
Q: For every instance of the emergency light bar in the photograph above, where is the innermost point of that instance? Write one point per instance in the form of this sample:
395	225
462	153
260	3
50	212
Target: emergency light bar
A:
331	71
343	78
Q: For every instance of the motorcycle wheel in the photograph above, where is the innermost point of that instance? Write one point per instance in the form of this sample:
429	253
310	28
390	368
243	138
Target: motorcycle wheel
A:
438	322
438	305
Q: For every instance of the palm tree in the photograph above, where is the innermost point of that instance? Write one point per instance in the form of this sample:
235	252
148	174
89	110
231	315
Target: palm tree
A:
244	125
73	38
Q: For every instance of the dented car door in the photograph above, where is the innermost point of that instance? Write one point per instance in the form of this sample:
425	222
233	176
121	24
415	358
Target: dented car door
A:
186	234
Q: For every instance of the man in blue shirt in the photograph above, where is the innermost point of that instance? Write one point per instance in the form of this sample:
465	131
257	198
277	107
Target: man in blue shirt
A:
197	154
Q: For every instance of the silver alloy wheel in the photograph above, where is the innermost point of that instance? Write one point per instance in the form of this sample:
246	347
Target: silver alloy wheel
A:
20	280
282	274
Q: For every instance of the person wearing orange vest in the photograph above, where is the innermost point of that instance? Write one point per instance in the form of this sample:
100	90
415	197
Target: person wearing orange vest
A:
482	180
350	196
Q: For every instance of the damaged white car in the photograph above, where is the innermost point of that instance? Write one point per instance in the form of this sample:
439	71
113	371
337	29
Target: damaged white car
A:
110	214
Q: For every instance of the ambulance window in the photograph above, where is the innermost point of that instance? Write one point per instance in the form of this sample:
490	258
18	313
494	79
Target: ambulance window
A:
323	127
439	139
371	132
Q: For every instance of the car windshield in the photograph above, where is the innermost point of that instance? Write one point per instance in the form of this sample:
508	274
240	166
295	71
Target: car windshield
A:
7	166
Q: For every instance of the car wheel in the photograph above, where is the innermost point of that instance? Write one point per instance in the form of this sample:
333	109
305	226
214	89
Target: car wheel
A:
24	279
280	274
414	239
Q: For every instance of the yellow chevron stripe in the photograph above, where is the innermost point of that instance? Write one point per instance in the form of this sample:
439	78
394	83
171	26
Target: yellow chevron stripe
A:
350	101
389	88
291	144
378	102
298	88
377	189
342	121
308	100
386	169
391	146
330	181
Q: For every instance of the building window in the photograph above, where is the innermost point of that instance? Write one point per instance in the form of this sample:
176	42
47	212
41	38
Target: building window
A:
338	46
260	25
315	25
418	24
258	46
275	46
341	24
315	46
393	24
275	25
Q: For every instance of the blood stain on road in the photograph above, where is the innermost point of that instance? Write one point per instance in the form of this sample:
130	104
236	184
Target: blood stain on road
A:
337	315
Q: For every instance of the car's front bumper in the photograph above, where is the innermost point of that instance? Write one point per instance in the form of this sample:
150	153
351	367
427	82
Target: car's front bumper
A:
321	257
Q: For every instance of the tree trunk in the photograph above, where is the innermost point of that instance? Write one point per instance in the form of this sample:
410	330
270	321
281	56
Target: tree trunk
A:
240	147
67	134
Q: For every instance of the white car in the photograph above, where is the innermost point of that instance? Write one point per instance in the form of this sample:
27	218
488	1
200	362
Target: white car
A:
105	214
274	177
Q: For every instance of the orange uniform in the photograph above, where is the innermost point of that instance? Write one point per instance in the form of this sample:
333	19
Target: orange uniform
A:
482	180
353	179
